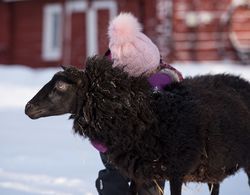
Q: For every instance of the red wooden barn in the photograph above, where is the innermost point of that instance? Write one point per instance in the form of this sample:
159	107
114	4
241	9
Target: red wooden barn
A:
41	33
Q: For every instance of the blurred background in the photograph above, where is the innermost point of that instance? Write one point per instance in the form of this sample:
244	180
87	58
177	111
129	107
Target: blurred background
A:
41	33
37	36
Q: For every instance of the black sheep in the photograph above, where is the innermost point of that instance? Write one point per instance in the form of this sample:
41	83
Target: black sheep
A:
194	131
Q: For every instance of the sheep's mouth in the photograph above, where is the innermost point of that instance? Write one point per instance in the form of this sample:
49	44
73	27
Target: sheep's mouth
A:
34	112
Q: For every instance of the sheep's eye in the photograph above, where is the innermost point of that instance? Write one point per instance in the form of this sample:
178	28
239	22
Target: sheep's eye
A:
61	86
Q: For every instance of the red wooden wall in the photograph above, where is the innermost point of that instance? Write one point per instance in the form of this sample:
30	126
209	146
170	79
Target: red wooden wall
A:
201	41
5	36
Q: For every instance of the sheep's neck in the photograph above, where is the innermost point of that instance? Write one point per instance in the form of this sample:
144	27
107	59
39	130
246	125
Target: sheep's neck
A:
158	81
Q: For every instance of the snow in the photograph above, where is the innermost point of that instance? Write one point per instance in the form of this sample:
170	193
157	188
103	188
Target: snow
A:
45	157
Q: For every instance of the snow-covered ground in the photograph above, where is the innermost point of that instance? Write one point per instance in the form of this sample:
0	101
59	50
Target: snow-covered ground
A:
44	156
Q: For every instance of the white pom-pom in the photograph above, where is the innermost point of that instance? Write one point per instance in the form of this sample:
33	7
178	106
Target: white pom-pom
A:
123	28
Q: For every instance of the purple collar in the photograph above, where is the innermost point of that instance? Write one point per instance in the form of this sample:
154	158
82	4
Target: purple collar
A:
99	146
158	81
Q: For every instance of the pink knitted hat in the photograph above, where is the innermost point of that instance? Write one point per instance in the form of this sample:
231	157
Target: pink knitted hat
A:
130	47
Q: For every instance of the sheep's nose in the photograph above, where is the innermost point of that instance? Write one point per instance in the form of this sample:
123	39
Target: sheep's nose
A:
28	107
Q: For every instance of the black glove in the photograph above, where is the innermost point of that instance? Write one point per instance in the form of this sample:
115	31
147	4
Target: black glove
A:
111	182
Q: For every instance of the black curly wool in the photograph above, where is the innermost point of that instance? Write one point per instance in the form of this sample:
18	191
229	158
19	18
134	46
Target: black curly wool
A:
197	130
116	111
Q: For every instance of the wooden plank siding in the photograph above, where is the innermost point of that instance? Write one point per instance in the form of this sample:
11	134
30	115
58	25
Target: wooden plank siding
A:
203	40
5	33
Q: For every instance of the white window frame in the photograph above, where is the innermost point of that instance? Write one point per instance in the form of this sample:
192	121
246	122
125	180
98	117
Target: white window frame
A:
91	19
51	52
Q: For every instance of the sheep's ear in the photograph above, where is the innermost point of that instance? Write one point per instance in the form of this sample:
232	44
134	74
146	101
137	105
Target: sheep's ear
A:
79	82
82	80
64	67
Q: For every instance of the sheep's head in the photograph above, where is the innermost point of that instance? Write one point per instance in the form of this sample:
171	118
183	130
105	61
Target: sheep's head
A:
58	96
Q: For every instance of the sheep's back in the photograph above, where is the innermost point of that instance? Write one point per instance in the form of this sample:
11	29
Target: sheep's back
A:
219	111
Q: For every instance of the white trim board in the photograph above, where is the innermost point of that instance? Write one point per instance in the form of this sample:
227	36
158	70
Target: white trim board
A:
91	19
49	51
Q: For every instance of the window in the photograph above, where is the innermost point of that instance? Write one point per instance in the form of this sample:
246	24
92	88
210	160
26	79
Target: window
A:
92	19
52	32
92	23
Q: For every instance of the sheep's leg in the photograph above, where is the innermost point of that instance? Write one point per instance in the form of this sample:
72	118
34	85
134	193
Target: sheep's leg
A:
214	188
248	174
175	186
133	188
247	170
